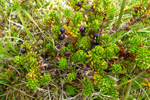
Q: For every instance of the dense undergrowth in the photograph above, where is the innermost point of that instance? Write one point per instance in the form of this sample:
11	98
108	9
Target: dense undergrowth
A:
86	49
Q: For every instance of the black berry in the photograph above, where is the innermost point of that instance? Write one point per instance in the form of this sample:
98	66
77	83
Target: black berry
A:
82	28
79	4
96	35
23	50
61	36
94	42
83	33
67	53
62	30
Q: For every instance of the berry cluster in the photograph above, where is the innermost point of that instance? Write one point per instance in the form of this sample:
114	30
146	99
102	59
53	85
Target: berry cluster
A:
94	41
61	36
82	30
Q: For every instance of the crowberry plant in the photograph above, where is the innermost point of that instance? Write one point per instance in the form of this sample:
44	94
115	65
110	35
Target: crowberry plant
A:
87	49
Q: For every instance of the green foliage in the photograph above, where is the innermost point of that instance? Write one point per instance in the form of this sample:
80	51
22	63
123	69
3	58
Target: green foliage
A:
116	68
71	76
63	51
62	63
81	56
56	30
18	60
143	57
110	51
49	46
88	87
33	83
76	18
99	65
67	13
15	4
95	24
84	43
47	3
112	10
70	89
45	78
106	39
135	43
38	5
54	16
30	63
100	54
104	83
70	47
74	58
91	70
97	51
113	93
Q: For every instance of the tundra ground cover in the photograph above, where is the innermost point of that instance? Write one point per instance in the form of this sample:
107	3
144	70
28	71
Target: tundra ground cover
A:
86	49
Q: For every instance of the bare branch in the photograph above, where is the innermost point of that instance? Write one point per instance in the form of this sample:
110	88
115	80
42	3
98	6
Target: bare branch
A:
127	26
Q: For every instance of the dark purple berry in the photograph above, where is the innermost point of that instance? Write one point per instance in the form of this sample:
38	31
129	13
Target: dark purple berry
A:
83	33
61	36
94	42
82	28
57	63
67	53
62	30
23	50
79	4
96	35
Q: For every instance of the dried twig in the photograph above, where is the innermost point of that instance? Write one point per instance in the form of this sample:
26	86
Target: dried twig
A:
127	26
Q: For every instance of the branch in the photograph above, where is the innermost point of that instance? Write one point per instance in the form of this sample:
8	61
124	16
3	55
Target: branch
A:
126	27
88	10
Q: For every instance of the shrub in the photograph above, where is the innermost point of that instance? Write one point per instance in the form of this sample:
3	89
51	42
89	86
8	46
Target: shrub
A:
85	45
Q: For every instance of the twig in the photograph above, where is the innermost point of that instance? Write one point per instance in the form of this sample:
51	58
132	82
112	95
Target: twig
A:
7	93
49	92
23	92
72	98
15	23
126	27
88	10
